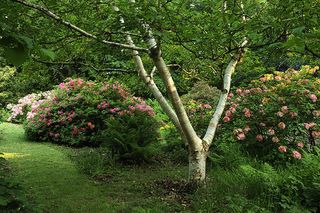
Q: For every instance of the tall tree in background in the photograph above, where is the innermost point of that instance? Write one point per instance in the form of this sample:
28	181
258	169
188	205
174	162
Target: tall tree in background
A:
218	31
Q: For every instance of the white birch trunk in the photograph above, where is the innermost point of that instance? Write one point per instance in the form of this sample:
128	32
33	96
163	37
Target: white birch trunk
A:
197	151
212	127
155	90
185	123
197	163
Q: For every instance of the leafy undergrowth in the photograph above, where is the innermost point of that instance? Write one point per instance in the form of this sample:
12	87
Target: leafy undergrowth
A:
12	198
143	188
235	183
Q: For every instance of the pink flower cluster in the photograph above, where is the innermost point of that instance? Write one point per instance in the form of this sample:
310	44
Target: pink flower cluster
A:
114	110
142	107
29	101
313	98
229	112
103	105
71	115
118	89
295	154
315	134
310	125
275	108
241	133
205	106
71	84
247	112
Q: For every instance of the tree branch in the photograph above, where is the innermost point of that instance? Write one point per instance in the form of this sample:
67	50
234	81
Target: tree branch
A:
61	39
75	28
154	89
212	127
311	52
151	84
82	64
186	126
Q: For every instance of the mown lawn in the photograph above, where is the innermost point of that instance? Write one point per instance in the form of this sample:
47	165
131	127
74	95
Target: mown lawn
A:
53	183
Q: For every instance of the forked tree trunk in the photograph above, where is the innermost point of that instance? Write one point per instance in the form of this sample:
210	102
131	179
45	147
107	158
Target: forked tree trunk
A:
198	148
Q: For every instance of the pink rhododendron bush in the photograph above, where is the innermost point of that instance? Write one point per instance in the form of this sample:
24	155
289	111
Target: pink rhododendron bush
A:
277	116
81	113
25	105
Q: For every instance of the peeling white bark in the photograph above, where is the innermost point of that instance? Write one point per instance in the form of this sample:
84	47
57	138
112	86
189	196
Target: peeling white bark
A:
154	89
197	163
211	130
148	80
176	101
165	74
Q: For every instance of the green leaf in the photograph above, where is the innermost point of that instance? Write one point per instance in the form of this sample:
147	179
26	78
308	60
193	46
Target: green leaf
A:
48	53
298	31
295	43
16	49
27	41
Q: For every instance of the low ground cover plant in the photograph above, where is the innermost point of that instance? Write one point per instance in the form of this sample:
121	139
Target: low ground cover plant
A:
12	197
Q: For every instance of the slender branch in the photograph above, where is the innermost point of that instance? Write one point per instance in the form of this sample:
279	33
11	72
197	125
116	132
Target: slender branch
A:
61	39
150	83
212	127
82	64
165	74
76	28
154	69
311	52
155	90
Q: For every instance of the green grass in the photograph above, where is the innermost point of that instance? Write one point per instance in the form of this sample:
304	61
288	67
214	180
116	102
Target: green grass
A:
60	179
53	182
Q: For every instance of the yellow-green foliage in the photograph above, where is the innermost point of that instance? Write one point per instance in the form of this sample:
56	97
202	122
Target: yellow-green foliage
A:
6	73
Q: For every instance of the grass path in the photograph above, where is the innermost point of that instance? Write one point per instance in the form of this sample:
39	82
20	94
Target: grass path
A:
51	179
54	184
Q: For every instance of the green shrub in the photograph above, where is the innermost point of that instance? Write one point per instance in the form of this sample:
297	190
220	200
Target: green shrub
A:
199	103
237	182
308	175
171	147
129	137
80	113
226	154
4	114
6	75
138	87
260	187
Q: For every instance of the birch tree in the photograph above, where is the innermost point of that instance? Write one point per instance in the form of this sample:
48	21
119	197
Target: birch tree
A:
219	30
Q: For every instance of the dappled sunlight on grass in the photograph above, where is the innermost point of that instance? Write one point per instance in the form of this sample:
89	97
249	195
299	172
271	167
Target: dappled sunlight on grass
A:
7	155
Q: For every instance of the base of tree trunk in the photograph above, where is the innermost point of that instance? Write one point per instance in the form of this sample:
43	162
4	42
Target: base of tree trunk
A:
197	167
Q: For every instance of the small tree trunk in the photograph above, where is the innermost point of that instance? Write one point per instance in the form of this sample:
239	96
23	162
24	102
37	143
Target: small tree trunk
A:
197	166
197	163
